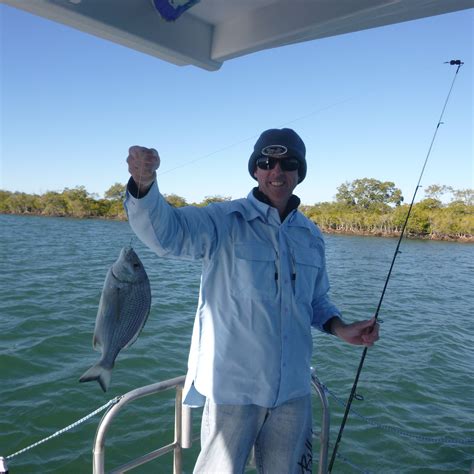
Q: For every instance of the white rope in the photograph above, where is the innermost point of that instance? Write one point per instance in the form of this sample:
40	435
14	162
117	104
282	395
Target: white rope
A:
67	428
442	439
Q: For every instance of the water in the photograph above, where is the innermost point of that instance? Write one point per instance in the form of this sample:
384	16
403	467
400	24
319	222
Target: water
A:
418	379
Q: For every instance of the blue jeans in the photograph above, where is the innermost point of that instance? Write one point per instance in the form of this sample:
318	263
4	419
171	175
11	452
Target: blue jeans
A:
282	437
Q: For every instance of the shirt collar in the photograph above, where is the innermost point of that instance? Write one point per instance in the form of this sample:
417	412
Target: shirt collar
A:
292	205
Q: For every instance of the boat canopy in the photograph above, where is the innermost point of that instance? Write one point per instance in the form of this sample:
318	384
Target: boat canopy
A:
205	33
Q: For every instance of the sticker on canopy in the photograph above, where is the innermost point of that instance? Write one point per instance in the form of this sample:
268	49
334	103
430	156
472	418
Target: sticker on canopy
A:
171	10
274	150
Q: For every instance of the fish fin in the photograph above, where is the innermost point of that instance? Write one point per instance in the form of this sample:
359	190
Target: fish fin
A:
96	343
99	373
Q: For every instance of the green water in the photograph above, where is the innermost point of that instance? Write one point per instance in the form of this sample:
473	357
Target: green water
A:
417	381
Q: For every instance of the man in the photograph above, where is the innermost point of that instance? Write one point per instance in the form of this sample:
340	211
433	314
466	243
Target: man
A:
263	286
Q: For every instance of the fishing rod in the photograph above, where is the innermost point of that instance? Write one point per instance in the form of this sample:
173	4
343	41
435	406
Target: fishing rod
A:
453	62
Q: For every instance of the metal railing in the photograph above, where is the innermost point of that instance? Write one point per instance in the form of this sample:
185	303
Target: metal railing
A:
182	436
183	428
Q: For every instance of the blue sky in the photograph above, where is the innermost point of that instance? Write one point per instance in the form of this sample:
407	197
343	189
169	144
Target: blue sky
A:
366	105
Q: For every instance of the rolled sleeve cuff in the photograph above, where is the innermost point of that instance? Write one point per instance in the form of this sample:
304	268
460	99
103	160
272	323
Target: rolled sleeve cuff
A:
132	189
323	312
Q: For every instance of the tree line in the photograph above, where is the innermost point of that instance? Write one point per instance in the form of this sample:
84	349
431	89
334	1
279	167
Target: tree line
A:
371	207
363	206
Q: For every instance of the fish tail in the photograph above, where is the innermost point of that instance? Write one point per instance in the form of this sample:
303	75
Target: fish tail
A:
100	373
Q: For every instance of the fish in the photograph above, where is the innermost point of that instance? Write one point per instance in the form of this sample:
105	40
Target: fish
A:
123	310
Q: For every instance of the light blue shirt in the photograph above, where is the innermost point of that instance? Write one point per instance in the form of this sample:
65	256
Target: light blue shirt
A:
263	285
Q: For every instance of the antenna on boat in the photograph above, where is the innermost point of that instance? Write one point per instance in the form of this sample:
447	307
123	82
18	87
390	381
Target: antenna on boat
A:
453	62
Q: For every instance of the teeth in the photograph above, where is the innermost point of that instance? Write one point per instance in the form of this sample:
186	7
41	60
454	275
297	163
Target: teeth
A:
276	183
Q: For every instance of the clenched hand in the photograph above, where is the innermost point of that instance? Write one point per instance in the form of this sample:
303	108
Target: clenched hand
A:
142	165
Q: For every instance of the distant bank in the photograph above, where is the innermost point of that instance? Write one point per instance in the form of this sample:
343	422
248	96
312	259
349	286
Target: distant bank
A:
332	228
362	207
446	238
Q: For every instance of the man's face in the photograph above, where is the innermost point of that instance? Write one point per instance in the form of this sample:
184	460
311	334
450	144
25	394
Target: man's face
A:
276	183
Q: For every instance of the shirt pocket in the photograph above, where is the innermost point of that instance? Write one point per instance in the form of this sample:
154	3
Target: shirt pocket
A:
308	263
254	270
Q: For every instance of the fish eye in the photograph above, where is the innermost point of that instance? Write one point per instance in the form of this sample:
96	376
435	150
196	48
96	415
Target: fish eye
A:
136	265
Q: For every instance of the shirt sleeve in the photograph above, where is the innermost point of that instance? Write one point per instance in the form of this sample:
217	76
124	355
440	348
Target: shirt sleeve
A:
188	232
323	308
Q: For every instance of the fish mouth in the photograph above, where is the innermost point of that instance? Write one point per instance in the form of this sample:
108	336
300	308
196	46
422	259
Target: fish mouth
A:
128	266
128	253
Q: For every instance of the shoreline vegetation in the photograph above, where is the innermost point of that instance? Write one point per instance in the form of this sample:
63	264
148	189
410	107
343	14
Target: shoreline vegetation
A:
364	206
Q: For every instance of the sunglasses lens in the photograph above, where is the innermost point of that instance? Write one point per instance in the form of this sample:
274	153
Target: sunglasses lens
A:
289	164
265	163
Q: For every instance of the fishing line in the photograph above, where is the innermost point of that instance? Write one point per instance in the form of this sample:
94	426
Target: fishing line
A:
132	238
253	137
453	62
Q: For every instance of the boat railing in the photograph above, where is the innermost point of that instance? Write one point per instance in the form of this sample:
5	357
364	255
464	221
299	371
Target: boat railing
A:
183	428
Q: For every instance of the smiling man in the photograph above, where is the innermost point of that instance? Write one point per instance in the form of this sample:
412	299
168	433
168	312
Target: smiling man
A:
263	287
278	168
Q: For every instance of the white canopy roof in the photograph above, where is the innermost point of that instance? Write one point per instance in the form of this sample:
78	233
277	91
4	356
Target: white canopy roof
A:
213	31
